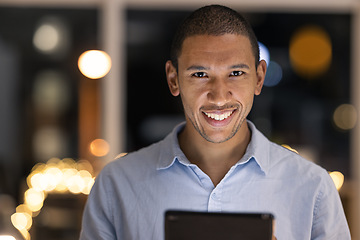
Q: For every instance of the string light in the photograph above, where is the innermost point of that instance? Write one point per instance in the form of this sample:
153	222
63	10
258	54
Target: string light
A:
56	176
6	237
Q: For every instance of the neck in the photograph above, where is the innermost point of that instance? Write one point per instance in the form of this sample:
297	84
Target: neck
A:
214	159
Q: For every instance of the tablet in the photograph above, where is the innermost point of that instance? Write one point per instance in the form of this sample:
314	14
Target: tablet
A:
189	225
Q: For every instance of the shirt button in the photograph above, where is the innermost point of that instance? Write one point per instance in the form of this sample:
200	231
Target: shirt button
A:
214	196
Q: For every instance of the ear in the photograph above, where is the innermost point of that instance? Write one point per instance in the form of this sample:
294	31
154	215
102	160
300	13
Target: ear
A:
172	78
260	75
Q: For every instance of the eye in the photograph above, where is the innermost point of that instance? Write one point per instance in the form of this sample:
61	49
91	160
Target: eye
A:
199	74
236	73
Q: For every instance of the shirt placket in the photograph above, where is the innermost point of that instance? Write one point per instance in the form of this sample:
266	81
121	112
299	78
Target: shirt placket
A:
215	193
215	203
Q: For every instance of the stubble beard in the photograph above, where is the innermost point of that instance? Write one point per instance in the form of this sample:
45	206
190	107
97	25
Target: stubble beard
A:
204	135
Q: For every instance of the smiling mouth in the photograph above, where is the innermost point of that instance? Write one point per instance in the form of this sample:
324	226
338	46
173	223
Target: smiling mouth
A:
219	117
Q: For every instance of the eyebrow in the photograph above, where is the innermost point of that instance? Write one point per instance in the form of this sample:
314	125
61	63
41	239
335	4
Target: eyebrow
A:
242	65
199	67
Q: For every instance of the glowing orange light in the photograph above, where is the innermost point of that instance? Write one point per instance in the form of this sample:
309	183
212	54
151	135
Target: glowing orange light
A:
310	51
290	148
99	147
94	64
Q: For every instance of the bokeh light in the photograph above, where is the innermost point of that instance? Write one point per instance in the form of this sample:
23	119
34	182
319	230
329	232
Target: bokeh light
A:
49	141
21	221
94	64
273	75
310	51
46	38
34	199
61	176
338	179
7	237
345	117
51	93
51	36
84	165
264	53
99	147
55	176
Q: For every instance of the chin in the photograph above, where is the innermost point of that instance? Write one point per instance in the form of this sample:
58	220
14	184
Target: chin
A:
218	139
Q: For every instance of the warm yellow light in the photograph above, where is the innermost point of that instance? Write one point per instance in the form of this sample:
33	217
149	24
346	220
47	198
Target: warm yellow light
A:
25	234
345	116
89	182
94	64
7	237
37	182
53	176
34	199
21	221
84	165
338	179
121	155
290	148
99	147
24	209
76	184
56	175
310	51
68	163
38	167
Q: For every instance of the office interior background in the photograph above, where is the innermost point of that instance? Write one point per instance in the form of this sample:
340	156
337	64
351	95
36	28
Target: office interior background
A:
59	126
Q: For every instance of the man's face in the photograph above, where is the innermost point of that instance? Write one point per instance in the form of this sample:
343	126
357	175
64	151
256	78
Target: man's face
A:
217	79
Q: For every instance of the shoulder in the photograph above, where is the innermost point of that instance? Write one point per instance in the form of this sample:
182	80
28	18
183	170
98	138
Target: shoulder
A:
282	162
135	166
291	164
143	157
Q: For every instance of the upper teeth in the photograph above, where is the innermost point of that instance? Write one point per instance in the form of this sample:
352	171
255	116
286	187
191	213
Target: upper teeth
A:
218	117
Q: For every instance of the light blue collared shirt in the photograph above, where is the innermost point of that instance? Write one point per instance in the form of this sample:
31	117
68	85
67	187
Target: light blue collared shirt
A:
131	194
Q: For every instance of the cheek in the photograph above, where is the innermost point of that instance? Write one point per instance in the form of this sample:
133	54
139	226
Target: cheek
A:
245	97
243	91
185	102
192	95
191	103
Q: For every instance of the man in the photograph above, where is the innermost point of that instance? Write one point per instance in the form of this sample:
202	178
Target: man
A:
216	160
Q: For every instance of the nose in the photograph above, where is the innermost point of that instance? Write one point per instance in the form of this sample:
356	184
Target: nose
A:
219	92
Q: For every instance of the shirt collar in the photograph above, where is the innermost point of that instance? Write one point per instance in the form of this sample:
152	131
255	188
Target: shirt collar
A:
170	149
258	149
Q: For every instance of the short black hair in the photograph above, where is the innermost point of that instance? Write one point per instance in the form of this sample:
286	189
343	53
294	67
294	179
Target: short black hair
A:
213	20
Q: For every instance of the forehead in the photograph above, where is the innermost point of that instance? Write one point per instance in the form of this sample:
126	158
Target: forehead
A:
217	48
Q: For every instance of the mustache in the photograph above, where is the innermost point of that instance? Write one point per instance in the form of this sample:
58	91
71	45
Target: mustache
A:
214	107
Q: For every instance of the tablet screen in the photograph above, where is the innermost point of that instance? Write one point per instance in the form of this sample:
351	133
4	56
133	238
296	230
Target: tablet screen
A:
188	225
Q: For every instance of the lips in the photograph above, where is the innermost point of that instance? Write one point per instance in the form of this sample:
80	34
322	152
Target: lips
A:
219	117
